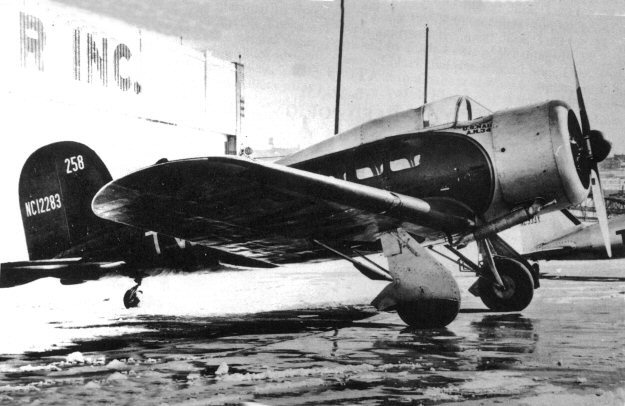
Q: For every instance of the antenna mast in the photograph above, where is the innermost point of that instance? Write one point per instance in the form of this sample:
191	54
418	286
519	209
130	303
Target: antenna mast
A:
338	73
425	86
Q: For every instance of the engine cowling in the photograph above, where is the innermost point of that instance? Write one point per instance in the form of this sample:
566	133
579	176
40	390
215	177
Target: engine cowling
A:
536	155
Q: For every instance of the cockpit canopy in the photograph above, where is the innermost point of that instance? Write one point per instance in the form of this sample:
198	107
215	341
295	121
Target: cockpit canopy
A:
448	113
451	111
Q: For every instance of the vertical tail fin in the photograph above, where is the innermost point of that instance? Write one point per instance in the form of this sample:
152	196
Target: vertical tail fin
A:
56	187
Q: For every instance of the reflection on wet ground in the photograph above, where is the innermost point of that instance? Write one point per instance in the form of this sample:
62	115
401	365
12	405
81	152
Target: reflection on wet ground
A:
281	354
567	348
317	356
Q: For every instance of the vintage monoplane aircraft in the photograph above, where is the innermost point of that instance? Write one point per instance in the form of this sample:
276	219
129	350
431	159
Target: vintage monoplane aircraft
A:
447	172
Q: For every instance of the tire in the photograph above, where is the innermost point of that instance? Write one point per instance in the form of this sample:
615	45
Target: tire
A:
131	298
518	281
431	313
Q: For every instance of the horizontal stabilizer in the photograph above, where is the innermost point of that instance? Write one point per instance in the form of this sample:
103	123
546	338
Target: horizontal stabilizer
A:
23	272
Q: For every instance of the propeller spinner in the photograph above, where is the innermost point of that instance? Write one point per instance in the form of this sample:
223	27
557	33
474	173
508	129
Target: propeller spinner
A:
595	148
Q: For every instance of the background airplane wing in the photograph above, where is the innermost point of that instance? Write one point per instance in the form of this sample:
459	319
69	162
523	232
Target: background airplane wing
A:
549	253
69	271
265	211
615	199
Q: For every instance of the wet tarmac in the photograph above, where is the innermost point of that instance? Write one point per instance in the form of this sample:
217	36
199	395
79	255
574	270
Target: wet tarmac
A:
566	348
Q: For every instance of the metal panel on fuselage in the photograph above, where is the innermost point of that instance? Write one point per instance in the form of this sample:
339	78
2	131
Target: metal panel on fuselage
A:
427	165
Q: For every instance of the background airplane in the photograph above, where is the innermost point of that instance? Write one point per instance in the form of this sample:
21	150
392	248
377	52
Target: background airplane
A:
562	236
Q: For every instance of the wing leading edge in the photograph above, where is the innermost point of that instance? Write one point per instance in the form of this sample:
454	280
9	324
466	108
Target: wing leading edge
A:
266	211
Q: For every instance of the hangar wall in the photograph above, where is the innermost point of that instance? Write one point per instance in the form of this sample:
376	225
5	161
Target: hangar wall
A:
132	95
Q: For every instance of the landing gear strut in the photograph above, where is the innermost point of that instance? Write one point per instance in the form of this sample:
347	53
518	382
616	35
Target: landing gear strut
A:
132	295
506	280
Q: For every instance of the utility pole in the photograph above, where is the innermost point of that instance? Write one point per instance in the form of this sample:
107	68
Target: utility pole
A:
338	73
425	86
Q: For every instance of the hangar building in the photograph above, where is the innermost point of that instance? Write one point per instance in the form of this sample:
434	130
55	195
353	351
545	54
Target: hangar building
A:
131	95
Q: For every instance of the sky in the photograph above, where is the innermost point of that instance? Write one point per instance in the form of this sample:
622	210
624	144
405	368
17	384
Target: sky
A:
502	53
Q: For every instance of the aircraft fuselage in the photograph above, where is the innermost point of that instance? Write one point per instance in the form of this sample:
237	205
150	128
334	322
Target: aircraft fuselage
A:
486	166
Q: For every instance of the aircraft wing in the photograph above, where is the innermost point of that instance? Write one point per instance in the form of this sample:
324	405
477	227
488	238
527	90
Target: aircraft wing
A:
69	271
615	199
550	253
266	211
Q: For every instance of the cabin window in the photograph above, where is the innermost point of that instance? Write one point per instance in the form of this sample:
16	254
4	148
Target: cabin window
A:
369	171
403	155
405	162
364	173
400	164
368	167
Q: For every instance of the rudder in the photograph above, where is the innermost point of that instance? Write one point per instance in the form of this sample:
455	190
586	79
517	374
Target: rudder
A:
56	186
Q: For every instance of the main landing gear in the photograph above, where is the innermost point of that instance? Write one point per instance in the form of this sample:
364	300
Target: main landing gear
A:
424	292
132	297
514	293
506	280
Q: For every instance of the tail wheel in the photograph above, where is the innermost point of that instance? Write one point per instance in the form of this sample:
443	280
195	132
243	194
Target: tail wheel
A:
132	297
518	291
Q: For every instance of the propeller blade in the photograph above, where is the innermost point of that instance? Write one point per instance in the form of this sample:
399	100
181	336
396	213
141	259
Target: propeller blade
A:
602	214
603	149
583	116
